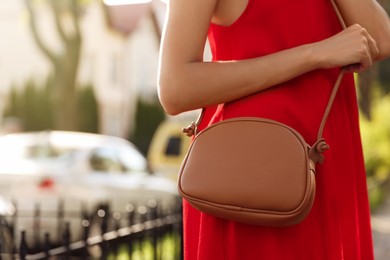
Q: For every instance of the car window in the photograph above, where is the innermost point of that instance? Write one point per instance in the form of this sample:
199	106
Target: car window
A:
105	160
173	147
132	160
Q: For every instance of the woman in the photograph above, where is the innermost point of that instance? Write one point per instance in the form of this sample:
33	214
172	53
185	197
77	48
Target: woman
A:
279	59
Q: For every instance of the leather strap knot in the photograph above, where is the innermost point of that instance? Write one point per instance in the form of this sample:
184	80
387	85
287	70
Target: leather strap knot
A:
315	152
191	129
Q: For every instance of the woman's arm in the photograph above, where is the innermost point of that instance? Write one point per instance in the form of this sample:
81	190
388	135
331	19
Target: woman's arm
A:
186	82
371	16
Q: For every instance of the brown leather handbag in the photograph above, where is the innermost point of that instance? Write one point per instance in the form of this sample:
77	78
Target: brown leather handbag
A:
253	170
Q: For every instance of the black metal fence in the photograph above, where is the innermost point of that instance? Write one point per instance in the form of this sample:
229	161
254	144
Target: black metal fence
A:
140	232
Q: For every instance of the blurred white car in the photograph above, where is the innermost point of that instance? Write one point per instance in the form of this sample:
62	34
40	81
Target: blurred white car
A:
71	173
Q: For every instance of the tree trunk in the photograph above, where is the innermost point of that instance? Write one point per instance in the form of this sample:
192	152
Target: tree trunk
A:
365	82
65	63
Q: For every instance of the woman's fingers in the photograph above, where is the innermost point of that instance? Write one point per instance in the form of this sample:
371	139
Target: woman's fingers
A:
367	49
373	47
353	48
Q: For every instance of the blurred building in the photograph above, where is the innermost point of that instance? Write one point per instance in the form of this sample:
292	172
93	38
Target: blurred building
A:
119	54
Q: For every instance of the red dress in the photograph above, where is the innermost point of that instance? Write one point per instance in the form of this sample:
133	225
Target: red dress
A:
338	226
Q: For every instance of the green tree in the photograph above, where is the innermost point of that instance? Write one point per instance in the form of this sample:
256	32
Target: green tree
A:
88	110
149	115
31	105
64	61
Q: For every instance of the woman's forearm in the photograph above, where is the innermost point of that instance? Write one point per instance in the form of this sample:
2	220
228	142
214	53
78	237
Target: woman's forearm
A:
200	84
190	85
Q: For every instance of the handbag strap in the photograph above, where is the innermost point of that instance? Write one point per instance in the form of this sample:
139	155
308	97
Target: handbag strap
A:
320	146
338	81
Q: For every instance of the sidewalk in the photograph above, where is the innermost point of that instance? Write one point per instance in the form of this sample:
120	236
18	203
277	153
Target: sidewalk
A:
380	221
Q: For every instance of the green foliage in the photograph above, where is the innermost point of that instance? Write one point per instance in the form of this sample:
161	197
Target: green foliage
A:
32	104
149	115
168	248
376	144
87	110
376	193
376	139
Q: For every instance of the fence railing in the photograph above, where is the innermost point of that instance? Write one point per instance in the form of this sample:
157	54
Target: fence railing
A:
140	232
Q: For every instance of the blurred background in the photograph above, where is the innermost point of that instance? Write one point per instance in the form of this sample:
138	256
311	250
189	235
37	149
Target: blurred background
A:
87	149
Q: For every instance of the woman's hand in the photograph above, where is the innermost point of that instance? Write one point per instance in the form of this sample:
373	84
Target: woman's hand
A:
370	15
353	48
